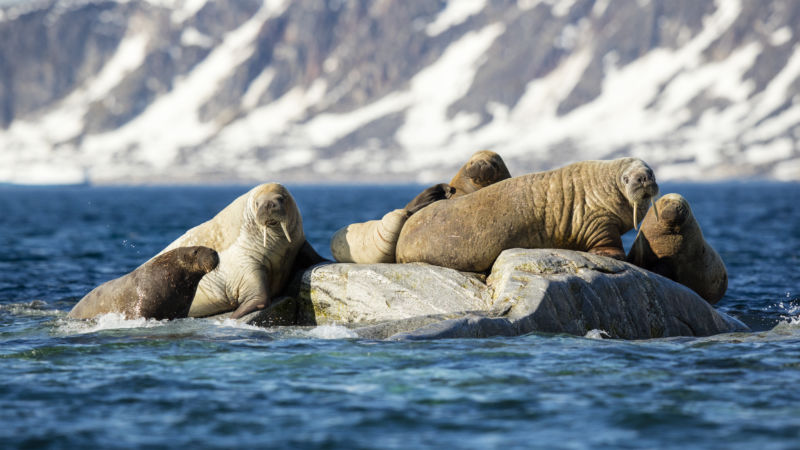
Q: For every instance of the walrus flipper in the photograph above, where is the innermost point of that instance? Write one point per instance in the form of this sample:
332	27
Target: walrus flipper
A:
441	191
253	294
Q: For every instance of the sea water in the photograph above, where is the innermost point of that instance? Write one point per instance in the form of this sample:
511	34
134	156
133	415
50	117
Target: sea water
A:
116	383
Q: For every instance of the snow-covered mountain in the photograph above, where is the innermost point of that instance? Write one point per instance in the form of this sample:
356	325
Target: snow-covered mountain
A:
394	90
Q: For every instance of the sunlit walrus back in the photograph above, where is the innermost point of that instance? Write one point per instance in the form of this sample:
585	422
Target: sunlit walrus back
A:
369	242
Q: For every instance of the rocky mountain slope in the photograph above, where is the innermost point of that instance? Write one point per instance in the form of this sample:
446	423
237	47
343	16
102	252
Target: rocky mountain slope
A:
394	90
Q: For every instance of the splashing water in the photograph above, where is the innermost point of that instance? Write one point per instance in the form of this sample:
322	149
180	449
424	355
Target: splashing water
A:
109	321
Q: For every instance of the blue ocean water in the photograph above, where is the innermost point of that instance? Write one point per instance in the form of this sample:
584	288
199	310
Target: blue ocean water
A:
115	383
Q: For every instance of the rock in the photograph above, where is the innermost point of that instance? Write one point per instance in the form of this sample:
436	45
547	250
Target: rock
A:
563	291
545	290
368	294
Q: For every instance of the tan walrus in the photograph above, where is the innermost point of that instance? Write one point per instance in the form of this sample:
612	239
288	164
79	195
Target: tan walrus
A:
585	206
672	245
257	237
161	288
483	168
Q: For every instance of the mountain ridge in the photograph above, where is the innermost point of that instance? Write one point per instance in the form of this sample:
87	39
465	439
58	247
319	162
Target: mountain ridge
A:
387	91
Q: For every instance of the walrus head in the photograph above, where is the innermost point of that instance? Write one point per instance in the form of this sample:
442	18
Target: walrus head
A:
640	187
274	208
194	259
674	212
484	168
205	259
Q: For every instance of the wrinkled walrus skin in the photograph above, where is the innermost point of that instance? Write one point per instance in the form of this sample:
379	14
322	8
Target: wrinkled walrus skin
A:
162	288
257	237
672	245
585	206
484	168
370	242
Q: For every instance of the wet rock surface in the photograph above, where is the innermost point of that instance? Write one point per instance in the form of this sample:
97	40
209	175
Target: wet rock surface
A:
543	290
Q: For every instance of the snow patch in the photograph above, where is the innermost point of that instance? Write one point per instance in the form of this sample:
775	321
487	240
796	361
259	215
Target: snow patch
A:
263	125
433	89
325	129
770	152
600	7
172	121
781	36
191	37
455	13
787	170
558	8
187	9
778	90
257	88
622	116
31	159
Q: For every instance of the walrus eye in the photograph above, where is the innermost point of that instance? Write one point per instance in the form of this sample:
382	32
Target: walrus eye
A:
625	179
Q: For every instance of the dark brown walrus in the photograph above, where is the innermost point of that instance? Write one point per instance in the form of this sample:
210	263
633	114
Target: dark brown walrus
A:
672	245
162	288
584	206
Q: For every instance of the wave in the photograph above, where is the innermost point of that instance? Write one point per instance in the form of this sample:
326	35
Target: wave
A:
109	321
597	334
38	308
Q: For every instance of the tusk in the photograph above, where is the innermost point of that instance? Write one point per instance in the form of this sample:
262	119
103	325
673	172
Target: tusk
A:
655	208
265	236
286	232
634	216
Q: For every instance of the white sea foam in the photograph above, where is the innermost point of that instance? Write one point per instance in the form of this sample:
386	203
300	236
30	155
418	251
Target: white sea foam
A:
33	308
331	332
110	321
597	334
233	323
791	315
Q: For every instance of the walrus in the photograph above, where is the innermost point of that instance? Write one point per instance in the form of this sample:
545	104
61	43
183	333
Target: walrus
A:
258	237
672	245
374	241
584	206
484	168
161	288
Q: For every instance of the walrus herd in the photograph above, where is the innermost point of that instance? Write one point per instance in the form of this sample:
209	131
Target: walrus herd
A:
243	257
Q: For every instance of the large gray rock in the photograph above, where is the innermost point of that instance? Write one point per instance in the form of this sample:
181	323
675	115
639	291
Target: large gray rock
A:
367	294
554	291
562	291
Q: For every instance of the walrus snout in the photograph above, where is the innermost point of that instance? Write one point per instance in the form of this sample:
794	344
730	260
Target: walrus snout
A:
640	188
209	258
200	258
271	211
269	206
674	209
